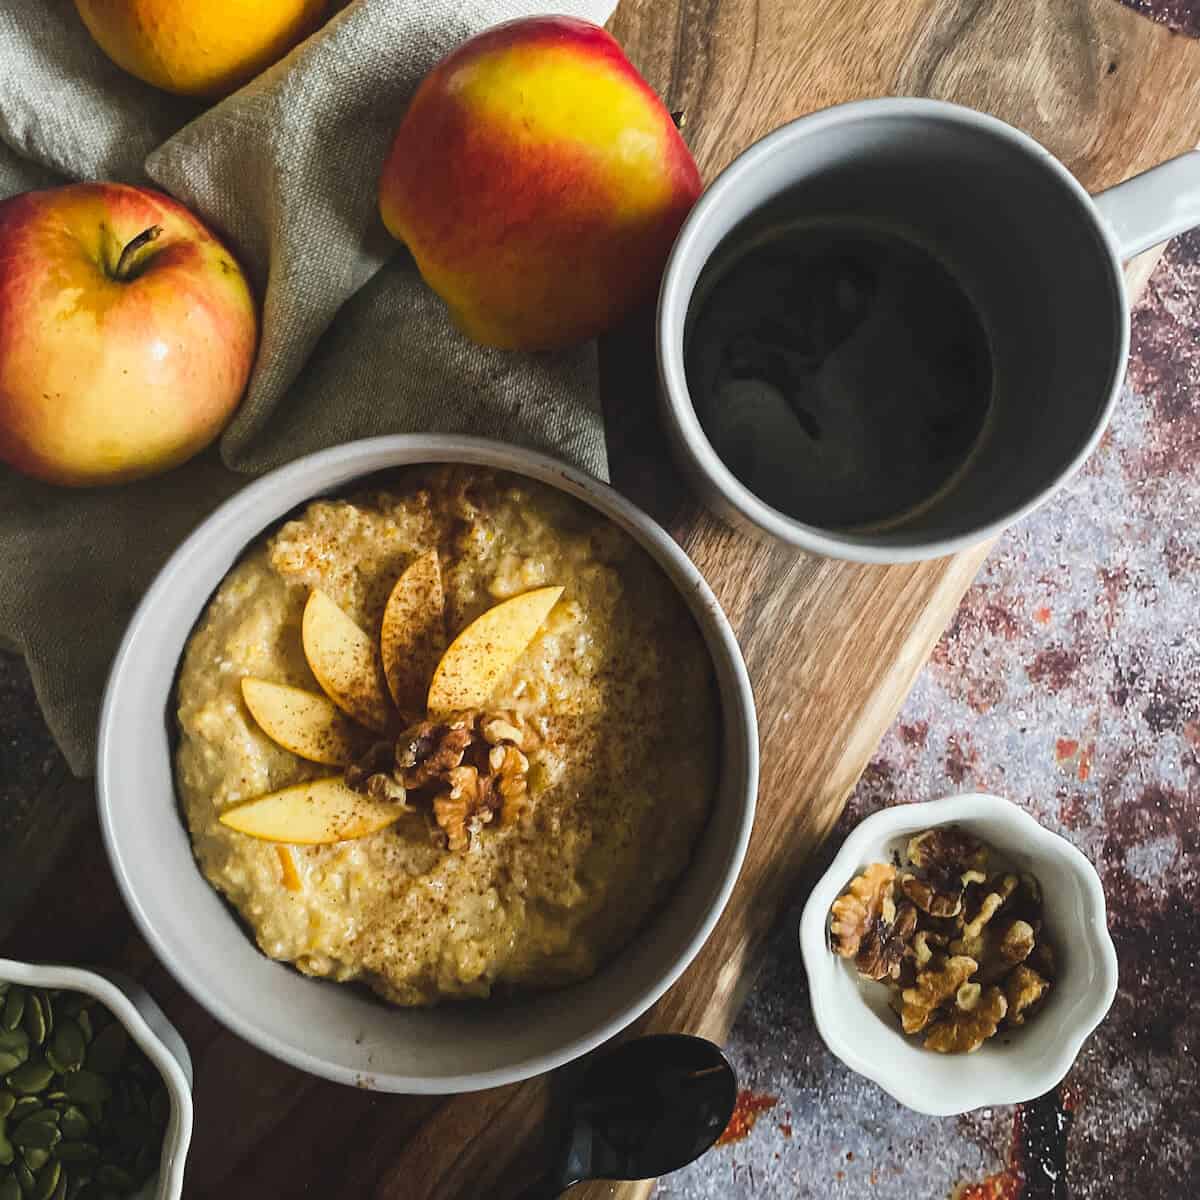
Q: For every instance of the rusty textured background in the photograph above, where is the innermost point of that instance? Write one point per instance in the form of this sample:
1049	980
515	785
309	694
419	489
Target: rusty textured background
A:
1183	16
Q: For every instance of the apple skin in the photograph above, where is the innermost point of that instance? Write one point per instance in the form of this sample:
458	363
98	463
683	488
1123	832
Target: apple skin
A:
539	184
104	380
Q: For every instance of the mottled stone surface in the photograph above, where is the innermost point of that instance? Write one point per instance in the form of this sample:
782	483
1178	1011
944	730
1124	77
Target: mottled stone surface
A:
1181	15
1070	682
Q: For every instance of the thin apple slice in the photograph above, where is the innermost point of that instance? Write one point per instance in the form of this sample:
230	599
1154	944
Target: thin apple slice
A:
312	814
306	723
486	650
345	662
413	634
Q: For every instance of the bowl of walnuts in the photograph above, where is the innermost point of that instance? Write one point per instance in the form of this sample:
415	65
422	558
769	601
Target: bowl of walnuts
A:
958	953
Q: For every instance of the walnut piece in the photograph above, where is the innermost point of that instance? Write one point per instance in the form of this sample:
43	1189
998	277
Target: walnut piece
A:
1023	989
965	1029
1016	943
463	772
860	904
947	847
924	940
998	892
429	750
885	942
932	895
935	984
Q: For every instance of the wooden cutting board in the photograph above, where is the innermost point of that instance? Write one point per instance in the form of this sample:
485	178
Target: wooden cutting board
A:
832	649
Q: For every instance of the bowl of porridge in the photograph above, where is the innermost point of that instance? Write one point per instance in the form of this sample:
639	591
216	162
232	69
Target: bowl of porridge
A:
427	763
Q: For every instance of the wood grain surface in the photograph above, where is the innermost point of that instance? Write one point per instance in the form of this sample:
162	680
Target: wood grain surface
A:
832	649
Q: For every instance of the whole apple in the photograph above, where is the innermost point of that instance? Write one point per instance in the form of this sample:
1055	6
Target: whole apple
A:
539	183
127	333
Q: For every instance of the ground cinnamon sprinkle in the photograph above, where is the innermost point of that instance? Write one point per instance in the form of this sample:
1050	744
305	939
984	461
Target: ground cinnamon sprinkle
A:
749	1107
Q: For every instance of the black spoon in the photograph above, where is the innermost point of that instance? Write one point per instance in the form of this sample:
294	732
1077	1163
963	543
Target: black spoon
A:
648	1107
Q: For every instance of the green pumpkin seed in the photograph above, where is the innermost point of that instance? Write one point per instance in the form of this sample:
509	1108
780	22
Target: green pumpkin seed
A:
74	1124
14	1008
14	1048
7	1103
31	1077
76	1184
69	1045
7	1153
44	1116
35	1018
93	1112
60	1192
48	1010
25	1178
36	1135
86	1087
84	1020
112	1176
10	1189
22	1109
47	1180
35	1157
4	986
77	1152
106	1051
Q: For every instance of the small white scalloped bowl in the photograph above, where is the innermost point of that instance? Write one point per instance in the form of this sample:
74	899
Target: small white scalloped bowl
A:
852	1014
147	1024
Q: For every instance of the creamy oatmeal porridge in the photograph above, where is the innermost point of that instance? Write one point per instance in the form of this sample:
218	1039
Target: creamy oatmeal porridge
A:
614	708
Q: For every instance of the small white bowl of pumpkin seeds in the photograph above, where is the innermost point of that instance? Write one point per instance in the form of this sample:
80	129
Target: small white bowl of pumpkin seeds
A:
95	1088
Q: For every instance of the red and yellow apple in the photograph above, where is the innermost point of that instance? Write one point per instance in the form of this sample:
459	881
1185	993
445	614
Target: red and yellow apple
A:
127	333
539	183
199	47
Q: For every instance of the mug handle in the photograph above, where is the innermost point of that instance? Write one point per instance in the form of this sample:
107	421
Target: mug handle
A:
1153	206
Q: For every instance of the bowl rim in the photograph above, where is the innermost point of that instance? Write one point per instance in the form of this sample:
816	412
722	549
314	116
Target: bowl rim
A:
109	989
907	1087
402	450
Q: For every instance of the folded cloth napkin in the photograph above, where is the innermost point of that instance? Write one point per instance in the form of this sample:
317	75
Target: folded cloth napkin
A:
353	343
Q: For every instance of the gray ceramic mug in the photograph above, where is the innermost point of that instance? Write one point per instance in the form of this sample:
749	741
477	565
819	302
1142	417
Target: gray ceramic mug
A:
1039	257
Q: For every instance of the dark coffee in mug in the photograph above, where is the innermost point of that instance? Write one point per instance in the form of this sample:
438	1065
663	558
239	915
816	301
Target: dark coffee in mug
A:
839	369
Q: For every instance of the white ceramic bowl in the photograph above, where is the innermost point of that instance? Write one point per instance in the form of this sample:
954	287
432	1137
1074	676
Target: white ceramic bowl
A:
341	1032
146	1023
853	1016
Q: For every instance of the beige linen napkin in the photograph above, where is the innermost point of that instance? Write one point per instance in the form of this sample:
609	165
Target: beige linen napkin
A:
353	344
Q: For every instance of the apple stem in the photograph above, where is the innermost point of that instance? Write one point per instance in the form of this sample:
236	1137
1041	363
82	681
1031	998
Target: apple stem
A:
125	264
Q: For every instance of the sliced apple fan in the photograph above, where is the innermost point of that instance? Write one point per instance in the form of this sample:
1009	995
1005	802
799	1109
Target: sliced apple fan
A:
369	690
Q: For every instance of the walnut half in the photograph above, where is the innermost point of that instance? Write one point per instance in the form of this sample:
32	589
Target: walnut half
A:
935	985
966	1027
